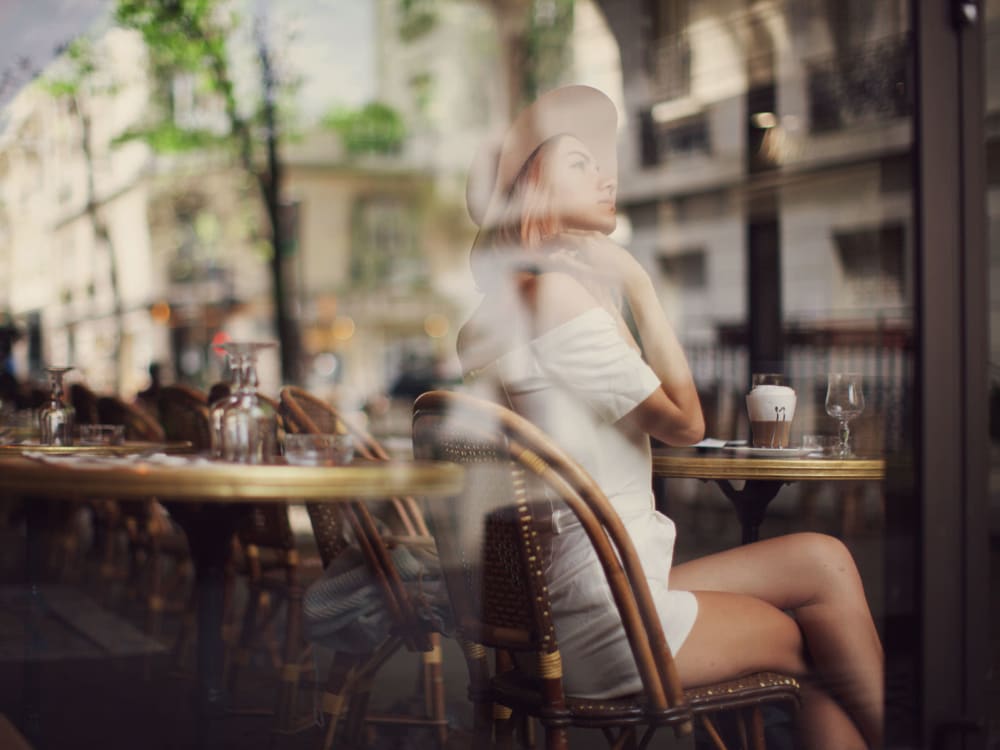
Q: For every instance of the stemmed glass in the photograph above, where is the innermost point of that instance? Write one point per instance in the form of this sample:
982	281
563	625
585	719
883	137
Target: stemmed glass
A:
249	431
57	417
218	406
845	400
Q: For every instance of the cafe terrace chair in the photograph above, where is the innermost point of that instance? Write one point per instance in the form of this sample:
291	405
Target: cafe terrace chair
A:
138	424
494	554
266	555
264	549
153	539
350	680
184	416
84	402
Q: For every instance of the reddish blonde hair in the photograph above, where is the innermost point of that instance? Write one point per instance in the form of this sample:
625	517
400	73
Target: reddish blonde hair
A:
528	219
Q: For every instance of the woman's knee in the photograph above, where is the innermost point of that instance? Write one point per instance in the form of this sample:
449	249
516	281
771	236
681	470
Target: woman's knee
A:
829	557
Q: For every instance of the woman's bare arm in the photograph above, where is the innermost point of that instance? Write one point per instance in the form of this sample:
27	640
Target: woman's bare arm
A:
673	413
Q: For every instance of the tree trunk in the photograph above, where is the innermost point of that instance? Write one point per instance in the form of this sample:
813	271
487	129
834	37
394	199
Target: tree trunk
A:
284	323
103	237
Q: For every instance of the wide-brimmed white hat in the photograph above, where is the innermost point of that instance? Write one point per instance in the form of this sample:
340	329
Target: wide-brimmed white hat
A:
581	111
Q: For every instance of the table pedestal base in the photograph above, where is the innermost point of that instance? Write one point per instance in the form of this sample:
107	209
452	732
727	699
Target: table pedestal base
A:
751	503
209	531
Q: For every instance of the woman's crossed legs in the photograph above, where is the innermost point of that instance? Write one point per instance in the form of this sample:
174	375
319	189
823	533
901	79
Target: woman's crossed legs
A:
829	639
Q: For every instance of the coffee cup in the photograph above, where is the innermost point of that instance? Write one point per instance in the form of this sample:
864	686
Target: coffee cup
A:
771	409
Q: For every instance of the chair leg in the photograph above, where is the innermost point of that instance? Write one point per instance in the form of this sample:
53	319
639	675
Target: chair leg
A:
757	738
341	671
713	734
526	732
626	740
154	606
241	657
434	689
556	738
186	635
288	691
354	725
503	726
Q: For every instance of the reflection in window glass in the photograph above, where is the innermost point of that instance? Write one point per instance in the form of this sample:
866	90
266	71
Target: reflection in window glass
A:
763	164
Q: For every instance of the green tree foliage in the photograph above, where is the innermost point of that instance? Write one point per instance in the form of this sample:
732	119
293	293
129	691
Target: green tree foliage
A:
77	83
190	37
376	128
546	43
417	18
187	37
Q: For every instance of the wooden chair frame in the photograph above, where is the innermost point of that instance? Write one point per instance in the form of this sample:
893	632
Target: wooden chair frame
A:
350	680
512	614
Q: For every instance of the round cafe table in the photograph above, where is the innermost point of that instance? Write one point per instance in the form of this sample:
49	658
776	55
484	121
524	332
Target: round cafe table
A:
763	475
208	499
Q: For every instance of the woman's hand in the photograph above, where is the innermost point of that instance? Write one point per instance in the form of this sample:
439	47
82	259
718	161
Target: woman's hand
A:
594	254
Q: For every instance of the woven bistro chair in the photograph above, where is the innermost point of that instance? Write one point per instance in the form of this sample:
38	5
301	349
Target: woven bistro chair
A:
494	552
153	539
263	550
351	677
84	403
270	561
184	416
138	424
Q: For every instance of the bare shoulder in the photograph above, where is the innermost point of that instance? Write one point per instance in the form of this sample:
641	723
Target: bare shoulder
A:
555	298
541	302
486	335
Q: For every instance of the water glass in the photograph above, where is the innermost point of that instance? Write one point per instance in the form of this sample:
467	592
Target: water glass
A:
767	378
822	445
319	450
102	434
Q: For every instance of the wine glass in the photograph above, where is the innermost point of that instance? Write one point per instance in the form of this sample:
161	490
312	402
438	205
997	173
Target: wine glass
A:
57	417
249	424
845	400
217	406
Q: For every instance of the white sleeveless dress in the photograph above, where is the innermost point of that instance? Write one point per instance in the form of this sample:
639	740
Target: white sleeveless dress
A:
575	382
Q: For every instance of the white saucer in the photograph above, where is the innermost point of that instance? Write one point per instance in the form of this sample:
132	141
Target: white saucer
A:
773	452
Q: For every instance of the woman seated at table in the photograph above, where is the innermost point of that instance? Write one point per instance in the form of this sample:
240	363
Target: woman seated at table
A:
549	339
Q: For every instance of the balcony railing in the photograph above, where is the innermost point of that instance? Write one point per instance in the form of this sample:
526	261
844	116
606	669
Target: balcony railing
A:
865	85
881	351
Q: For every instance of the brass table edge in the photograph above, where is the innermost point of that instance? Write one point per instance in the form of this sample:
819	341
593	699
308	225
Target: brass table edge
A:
790	469
231	482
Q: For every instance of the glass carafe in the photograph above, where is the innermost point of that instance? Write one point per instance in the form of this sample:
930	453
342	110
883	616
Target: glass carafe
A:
218	406
57	417
249	424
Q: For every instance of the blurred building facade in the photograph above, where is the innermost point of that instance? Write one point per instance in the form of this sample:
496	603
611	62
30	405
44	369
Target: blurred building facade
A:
788	119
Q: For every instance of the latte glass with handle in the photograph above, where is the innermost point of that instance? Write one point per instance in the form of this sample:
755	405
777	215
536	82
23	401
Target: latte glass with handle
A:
845	400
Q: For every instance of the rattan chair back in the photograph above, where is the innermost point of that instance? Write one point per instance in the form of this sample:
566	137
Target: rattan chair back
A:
305	413
138	424
184	416
494	551
84	402
374	527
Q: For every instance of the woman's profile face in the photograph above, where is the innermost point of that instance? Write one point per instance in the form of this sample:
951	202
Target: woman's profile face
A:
582	197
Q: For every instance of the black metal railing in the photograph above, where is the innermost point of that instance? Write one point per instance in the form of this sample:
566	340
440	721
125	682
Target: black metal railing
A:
879	350
863	85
